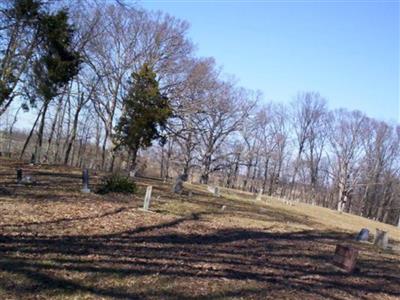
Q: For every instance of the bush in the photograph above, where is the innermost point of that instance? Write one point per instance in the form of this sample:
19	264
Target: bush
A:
117	184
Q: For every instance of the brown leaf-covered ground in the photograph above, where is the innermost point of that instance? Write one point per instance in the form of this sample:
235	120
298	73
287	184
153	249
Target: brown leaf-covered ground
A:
57	243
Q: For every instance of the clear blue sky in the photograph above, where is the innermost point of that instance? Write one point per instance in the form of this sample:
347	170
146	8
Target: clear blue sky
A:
346	50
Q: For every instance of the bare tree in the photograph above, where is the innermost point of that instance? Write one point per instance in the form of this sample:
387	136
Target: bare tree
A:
346	142
19	38
222	115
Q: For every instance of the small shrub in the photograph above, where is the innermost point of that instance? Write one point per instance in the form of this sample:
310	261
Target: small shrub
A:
117	184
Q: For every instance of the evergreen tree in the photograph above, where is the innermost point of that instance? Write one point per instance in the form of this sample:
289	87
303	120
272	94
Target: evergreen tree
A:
145	113
56	64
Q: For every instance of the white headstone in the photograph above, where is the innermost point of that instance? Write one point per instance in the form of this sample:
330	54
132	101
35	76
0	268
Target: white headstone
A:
85	181
147	198
27	180
259	195
381	239
214	190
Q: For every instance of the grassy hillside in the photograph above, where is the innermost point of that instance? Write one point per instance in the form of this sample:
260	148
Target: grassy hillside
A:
327	218
57	243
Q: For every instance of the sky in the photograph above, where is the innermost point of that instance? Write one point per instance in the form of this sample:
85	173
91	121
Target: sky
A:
348	51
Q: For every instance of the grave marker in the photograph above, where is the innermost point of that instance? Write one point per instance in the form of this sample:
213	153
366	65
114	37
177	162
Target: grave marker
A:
381	239
147	198
177	188
19	176
259	195
85	181
27	180
214	190
363	235
263	210
345	257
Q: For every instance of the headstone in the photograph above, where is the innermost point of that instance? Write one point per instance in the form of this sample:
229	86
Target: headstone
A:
27	180
362	235
190	194
259	195
223	207
381	238
214	190
147	198
288	202
345	257
177	188
85	181
19	175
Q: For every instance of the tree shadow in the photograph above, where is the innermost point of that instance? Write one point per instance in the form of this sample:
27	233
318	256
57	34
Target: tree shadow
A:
296	264
184	256
65	220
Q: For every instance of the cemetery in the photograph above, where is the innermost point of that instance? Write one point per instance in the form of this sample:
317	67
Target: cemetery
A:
59	239
197	149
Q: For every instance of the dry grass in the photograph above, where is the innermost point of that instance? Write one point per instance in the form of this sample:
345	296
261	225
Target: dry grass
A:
56	243
325	218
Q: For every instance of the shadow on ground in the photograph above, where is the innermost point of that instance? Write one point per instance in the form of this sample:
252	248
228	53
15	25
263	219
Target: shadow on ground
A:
184	258
286	263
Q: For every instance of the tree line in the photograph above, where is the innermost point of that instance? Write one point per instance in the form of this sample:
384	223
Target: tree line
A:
116	87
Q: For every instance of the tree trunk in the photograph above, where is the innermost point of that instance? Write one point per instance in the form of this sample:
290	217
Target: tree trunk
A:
134	152
103	150
39	144
253	178
204	178
73	135
168	159
398	221
235	171
59	134
113	155
53	127
30	134
10	131
264	185
246	180
162	162
206	170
